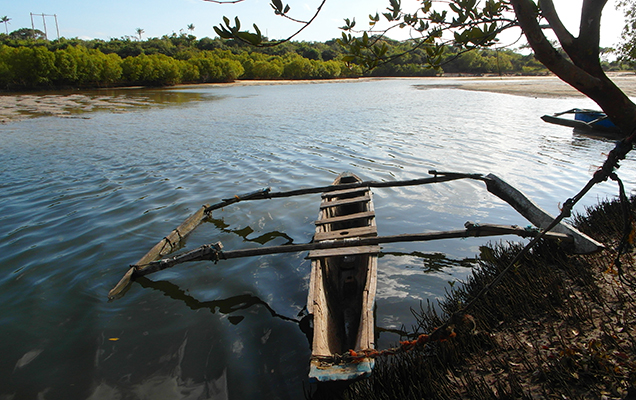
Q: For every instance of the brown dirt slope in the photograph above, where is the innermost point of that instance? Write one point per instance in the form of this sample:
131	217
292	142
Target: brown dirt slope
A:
558	326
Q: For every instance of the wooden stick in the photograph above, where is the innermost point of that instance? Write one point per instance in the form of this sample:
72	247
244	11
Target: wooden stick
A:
266	193
214	252
583	244
164	247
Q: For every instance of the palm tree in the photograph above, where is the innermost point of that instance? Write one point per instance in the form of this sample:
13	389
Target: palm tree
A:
191	27
5	20
139	32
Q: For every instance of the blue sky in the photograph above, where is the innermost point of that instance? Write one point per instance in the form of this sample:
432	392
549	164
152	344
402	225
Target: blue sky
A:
89	19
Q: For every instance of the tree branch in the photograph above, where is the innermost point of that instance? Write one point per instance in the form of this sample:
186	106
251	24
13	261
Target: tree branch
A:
590	25
527	15
584	72
257	39
549	13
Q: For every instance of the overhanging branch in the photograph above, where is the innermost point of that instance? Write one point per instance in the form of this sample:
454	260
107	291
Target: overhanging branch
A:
549	13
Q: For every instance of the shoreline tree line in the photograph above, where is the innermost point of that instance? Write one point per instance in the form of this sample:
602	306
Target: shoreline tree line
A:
29	61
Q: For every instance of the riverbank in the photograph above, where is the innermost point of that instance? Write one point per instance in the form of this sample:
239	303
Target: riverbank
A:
15	107
557	326
537	86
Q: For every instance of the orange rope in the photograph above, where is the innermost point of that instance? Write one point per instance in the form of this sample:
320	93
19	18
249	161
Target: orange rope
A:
438	335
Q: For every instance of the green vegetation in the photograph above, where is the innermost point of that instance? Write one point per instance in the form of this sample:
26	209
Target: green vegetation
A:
27	61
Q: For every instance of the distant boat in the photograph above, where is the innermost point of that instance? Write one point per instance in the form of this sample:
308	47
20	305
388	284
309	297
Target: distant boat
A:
585	120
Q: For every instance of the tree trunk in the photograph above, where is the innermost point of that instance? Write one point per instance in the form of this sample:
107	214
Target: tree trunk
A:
583	71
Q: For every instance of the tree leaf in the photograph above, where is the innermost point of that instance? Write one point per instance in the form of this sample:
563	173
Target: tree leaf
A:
277	5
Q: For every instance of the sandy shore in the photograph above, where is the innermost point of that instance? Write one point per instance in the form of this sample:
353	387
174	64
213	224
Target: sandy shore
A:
540	86
16	107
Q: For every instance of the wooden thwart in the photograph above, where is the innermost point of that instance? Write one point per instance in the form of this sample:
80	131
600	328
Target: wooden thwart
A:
343	202
342	192
344	251
346	233
365	214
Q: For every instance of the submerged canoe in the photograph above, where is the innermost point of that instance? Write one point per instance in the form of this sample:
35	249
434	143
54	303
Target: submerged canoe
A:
343	284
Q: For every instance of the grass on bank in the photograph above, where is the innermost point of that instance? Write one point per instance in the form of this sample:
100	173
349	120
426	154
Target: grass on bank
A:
557	326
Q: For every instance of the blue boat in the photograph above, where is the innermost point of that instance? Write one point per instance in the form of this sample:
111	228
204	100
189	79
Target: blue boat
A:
585	120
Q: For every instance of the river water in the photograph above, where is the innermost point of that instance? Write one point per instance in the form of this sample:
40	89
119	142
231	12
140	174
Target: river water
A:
80	199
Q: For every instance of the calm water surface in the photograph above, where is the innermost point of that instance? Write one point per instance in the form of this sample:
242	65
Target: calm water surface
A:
80	199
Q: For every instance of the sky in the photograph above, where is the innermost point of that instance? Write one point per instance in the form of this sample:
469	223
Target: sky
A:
90	19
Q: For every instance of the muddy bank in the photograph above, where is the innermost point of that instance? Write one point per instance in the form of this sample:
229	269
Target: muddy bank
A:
15	107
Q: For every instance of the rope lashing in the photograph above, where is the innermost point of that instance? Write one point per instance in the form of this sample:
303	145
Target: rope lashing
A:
440	334
167	241
215	252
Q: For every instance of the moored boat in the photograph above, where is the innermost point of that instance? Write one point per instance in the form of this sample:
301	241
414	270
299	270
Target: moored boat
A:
585	120
344	254
343	284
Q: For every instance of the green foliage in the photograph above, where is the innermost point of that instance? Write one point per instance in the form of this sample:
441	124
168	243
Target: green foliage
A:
152	70
297	67
174	59
627	47
79	66
29	66
217	66
27	34
487	61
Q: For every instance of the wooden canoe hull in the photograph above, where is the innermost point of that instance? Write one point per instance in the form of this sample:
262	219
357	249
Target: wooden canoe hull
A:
343	284
325	371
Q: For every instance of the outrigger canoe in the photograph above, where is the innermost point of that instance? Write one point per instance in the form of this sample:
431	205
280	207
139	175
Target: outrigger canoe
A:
343	284
344	254
585	120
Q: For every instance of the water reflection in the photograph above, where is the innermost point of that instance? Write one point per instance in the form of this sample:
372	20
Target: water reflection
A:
434	262
267	237
224	306
587	136
73	104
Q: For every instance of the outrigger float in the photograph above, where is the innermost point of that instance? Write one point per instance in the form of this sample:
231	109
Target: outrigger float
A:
344	259
584	120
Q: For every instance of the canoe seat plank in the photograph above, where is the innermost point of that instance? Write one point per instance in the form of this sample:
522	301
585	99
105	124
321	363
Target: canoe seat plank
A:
337	193
363	231
343	202
350	217
344	251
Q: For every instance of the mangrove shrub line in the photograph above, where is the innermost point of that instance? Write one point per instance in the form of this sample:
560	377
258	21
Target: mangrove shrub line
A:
76	66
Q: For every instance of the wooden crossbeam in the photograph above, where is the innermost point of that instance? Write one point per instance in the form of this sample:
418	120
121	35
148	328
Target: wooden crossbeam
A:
343	192
344	202
344	251
350	217
362	231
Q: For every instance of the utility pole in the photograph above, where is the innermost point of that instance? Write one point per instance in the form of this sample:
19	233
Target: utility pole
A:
46	36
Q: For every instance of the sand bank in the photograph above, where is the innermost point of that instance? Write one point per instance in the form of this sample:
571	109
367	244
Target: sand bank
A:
15	107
